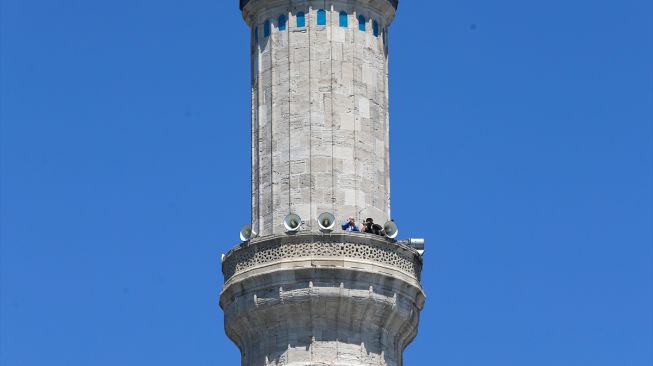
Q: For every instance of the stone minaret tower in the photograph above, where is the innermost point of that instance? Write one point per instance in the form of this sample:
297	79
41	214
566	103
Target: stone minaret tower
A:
320	143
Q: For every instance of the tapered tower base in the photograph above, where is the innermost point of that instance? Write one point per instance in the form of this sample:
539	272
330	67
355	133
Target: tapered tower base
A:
322	299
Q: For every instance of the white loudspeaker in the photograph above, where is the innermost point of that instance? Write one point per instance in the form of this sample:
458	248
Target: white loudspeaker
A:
326	221
246	233
292	222
391	229
418	244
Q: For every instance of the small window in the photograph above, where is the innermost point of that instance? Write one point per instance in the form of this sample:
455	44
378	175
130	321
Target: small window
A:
266	28
375	28
361	23
282	22
301	20
344	20
256	34
321	17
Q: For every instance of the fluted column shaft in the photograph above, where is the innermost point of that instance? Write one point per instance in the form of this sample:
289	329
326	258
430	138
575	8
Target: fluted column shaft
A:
320	121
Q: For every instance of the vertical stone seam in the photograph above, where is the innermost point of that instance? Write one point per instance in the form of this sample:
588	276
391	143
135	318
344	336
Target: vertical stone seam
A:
313	327
386	119
271	45
375	124
338	321
365	316
253	119
356	114
333	173
310	113
288	16
259	91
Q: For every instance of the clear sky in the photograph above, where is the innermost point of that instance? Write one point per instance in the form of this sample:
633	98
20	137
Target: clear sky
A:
521	150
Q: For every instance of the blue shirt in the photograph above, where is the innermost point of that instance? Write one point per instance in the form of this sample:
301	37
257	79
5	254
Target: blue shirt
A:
348	226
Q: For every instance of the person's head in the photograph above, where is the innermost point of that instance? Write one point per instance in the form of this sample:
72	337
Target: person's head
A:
369	220
351	219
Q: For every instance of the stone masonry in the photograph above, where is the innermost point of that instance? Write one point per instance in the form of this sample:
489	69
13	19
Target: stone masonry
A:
313	299
320	143
319	111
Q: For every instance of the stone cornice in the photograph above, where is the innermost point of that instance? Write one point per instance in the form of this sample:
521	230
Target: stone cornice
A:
252	8
394	3
346	248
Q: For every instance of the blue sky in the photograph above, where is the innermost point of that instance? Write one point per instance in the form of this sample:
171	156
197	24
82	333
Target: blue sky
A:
521	150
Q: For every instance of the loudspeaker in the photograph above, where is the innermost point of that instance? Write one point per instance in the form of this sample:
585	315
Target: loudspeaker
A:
417	244
292	222
326	221
246	233
391	229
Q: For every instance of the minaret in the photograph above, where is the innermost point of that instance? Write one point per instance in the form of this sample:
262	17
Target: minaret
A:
297	292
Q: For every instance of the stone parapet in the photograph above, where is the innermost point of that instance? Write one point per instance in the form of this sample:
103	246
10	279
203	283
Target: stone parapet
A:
329	249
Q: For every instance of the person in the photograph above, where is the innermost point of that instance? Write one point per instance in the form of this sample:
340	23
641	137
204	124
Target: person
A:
350	225
370	227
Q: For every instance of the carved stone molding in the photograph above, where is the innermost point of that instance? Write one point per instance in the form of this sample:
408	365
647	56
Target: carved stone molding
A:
354	247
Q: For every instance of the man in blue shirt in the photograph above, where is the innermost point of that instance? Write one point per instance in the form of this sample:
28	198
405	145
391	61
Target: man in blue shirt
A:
350	225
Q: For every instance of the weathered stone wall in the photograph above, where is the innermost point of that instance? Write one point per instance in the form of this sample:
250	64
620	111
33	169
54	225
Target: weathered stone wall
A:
319	112
335	301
